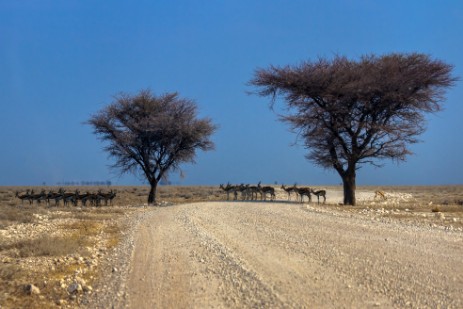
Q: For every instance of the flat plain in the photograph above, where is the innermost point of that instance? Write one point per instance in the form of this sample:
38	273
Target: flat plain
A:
199	250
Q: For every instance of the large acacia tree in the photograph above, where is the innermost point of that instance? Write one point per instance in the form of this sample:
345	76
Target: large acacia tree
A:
351	112
152	134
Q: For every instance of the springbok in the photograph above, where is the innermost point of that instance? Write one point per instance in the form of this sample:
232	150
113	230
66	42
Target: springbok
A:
289	190
101	196
37	197
84	198
43	197
267	190
111	195
24	196
318	194
229	188
304	192
57	196
380	194
81	197
70	197
92	197
248	192
244	189
107	196
254	190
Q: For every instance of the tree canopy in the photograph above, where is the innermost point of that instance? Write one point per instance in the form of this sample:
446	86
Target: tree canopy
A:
152	134
351	112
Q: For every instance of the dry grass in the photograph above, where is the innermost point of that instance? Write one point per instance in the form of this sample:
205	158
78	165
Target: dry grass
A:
451	194
10	214
113	232
434	205
46	259
44	245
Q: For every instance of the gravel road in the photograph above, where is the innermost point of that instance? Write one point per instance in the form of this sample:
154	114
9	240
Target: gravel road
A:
287	255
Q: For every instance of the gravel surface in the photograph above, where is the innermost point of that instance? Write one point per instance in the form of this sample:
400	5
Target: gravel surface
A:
280	255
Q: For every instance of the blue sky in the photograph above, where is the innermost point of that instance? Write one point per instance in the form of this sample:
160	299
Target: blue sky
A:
61	61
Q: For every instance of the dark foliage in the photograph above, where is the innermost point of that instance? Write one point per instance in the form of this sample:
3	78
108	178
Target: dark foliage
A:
355	112
152	134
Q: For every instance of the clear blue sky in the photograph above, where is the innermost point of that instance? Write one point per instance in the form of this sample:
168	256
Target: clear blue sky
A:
61	61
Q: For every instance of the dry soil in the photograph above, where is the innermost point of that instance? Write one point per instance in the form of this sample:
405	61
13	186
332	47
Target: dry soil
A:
286	255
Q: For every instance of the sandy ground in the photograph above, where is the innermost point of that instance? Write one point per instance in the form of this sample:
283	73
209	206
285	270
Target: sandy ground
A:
286	255
362	196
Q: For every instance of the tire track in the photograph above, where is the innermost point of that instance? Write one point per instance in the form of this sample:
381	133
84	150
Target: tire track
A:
276	245
240	286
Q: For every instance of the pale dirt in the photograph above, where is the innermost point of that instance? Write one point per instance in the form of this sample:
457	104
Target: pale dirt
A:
285	255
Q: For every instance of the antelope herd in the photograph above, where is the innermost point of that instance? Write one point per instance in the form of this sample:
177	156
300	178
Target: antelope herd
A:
249	192
73	198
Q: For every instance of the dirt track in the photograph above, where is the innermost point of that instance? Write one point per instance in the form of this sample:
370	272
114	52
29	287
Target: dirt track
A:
281	255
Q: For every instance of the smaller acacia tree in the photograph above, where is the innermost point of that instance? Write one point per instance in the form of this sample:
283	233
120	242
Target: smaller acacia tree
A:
152	134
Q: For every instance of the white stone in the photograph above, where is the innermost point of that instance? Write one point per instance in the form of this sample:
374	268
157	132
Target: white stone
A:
74	288
80	281
31	289
87	288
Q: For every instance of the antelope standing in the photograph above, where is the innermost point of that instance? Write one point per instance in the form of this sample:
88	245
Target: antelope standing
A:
254	190
267	190
244	189
304	192
318	194
37	197
81	197
92	197
107	197
111	195
70	197
57	196
289	190
24	196
229	188
248	192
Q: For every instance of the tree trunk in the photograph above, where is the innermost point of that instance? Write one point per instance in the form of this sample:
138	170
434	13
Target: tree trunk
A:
152	194
348	181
